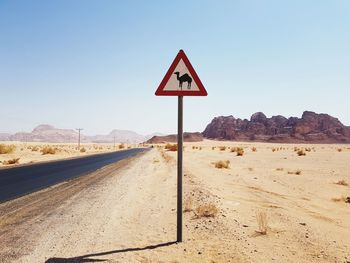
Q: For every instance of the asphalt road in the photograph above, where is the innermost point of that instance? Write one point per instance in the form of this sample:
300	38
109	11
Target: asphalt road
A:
18	181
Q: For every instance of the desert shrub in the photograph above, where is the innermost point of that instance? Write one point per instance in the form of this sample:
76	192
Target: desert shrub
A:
234	149
222	164
239	151
339	199
307	149
6	149
254	149
297	172
273	149
82	150
171	147
339	149
222	148
48	150
213	148
261	218
301	152
121	146
342	182
279	169
296	149
206	210
11	161
35	148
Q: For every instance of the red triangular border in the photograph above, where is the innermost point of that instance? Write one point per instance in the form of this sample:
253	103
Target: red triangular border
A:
161	92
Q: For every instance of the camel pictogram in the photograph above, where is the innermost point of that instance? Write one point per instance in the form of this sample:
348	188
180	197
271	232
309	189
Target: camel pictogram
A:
184	78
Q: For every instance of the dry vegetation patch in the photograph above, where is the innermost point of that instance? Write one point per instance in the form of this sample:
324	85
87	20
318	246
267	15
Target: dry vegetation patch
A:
82	150
206	210
301	152
342	182
48	150
188	205
222	164
222	148
171	147
11	161
121	146
261	218
6	149
341	199
297	172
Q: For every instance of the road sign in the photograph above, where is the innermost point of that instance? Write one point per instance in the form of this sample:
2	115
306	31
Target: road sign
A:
181	79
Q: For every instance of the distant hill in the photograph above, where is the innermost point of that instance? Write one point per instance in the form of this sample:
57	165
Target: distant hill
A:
123	136
48	133
311	127
188	137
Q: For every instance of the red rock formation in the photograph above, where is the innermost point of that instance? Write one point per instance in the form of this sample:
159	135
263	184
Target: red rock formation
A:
188	137
311	127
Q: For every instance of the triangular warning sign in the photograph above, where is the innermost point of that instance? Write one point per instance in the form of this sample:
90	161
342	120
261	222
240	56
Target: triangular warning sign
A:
181	79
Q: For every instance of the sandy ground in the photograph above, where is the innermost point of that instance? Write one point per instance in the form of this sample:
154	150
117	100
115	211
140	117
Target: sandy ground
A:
31	152
126	212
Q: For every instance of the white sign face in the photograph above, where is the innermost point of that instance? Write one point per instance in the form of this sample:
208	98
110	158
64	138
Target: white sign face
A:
181	79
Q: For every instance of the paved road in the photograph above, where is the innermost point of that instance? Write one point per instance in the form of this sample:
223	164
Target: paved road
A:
18	181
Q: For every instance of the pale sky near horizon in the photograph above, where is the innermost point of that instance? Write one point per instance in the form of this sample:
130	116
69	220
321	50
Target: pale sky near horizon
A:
97	64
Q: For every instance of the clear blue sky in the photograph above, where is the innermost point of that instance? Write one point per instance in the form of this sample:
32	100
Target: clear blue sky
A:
96	64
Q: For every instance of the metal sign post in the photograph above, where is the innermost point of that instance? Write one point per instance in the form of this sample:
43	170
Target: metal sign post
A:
180	72
179	167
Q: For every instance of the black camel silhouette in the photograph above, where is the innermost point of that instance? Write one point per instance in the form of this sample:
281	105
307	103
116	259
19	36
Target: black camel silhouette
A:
184	78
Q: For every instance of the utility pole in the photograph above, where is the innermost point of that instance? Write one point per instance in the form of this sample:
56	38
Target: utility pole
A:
79	129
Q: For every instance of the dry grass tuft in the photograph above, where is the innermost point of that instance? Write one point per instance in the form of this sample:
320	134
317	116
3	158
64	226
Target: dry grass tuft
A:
301	152
171	147
11	161
222	148
279	169
206	210
35	148
339	199
239	151
297	172
261	218
254	149
342	182
188	205
6	149
222	164
48	150
82	150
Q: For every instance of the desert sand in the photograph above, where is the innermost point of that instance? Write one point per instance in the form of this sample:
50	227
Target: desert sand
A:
126	212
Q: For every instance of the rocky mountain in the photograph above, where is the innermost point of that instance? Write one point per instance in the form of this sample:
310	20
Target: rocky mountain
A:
311	127
48	133
188	137
122	136
4	136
